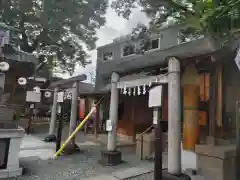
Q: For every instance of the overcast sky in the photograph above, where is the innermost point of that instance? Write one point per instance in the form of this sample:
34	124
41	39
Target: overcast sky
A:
115	26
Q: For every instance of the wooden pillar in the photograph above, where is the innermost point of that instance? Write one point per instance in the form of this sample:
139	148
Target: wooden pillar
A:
212	102
191	97
191	116
219	100
133	119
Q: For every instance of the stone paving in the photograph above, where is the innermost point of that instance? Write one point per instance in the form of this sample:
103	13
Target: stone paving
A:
150	176
144	171
35	154
34	158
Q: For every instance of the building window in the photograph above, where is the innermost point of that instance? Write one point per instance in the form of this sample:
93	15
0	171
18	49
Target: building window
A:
152	44
155	44
184	37
108	56
128	49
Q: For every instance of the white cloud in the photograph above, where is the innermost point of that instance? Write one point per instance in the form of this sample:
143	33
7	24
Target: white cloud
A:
115	26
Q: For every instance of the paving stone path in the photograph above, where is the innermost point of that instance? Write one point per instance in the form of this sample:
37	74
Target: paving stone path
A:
34	158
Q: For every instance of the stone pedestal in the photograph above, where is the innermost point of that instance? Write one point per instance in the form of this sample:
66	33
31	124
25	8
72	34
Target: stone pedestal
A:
111	158
13	138
216	162
50	138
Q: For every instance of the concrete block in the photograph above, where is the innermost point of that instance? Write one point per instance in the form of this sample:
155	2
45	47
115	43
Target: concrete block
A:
13	154
212	174
209	162
15	172
216	162
3	173
7	173
215	151
211	140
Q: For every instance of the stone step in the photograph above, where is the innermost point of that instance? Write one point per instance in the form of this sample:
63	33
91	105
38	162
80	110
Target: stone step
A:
211	173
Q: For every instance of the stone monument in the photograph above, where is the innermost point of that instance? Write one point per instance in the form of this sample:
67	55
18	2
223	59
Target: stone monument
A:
10	140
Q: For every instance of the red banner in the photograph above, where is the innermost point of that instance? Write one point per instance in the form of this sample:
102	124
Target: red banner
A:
82	108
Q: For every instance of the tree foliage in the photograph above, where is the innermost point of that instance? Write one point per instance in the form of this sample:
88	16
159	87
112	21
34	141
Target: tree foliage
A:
214	17
64	27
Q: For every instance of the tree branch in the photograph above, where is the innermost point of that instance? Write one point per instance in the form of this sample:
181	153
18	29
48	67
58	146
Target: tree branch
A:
178	5
24	46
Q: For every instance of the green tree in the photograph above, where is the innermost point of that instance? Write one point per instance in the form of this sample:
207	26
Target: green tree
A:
65	27
214	17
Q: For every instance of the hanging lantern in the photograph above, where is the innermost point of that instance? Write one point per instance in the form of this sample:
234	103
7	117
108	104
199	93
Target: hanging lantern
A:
4	66
47	94
36	89
22	81
69	95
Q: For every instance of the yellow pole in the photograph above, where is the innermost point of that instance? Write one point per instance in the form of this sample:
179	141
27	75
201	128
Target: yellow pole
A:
74	133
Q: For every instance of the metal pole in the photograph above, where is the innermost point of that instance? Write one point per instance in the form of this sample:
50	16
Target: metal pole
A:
113	114
237	141
96	120
158	145
30	118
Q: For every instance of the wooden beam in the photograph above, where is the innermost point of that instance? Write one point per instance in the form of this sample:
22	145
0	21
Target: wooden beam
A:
212	102
162	78
71	80
220	97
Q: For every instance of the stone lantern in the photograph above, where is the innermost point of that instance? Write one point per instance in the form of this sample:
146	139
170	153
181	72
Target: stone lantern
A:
13	63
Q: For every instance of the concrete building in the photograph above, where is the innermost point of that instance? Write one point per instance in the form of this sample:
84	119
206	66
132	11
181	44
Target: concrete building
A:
200	92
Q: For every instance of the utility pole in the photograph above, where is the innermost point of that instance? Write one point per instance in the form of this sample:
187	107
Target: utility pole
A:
237	140
157	114
156	102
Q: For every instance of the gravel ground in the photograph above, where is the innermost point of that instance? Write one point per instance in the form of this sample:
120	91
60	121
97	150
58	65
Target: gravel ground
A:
73	167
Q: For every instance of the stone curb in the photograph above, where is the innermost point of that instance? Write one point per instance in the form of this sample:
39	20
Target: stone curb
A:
126	173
